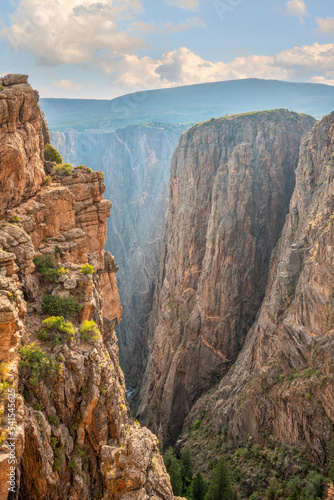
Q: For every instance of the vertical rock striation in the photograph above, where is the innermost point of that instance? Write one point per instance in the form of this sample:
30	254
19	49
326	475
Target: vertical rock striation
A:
230	187
74	437
282	383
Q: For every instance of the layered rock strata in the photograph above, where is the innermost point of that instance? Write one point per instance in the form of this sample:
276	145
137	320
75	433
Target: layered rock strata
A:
230	187
282	386
73	436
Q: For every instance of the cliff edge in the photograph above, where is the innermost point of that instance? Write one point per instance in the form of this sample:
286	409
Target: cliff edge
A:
65	431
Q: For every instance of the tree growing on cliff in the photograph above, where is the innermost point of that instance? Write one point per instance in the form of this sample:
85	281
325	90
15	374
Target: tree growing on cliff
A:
220	483
51	154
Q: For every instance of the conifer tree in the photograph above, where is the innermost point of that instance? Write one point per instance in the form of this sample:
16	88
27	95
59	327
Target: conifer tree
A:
187	464
220	483
198	487
174	472
294	495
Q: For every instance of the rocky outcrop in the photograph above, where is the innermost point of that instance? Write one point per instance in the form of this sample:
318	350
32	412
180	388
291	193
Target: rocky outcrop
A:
230	187
71	435
136	164
22	168
281	386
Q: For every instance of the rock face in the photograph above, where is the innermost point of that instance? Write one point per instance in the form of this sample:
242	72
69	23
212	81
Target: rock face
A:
22	169
230	187
136	164
282	383
72	436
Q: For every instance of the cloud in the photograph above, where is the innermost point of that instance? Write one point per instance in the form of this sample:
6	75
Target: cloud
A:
71	31
325	25
322	79
184	67
166	28
296	8
184	4
67	84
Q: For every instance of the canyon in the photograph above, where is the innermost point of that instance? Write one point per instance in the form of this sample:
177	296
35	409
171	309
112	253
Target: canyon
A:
281	385
71	434
136	163
230	186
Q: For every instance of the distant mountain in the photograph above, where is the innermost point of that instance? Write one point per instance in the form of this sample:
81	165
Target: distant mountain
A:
188	104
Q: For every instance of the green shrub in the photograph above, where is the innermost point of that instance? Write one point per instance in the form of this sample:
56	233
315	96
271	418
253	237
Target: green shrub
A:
36	406
48	267
60	306
54	420
196	424
89	331
2	87
63	169
39	363
14	220
47	180
56	330
51	154
58	459
87	269
73	467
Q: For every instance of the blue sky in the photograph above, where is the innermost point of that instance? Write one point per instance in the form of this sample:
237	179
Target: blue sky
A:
106	48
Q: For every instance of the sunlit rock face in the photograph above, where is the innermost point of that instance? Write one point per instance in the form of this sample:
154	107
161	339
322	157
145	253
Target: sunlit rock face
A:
73	437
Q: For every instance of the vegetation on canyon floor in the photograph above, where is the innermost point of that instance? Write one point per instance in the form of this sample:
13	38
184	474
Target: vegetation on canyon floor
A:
251	470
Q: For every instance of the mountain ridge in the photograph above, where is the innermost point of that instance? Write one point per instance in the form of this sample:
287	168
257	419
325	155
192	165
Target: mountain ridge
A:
188	104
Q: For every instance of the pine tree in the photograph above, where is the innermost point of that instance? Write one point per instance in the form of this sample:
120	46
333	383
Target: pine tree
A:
198	487
272	491
220	483
187	464
294	495
168	457
174	472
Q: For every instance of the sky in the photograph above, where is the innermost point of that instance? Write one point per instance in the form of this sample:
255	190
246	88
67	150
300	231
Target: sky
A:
100	49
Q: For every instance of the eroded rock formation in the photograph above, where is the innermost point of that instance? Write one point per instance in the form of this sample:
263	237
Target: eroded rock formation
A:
230	187
136	163
281	386
74	438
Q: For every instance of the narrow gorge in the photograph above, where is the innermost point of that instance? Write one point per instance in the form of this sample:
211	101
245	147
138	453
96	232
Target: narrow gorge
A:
136	163
60	376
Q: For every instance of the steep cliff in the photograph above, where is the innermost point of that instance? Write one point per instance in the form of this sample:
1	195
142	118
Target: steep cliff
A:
230	187
64	430
281	387
136	164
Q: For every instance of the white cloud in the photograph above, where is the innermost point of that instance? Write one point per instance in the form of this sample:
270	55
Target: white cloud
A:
183	67
308	57
325	25
296	8
166	28
184	4
322	79
67	84
71	31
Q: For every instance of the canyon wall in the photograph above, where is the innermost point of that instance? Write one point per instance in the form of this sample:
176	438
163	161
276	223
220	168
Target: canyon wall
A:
230	188
136	164
281	387
70	434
